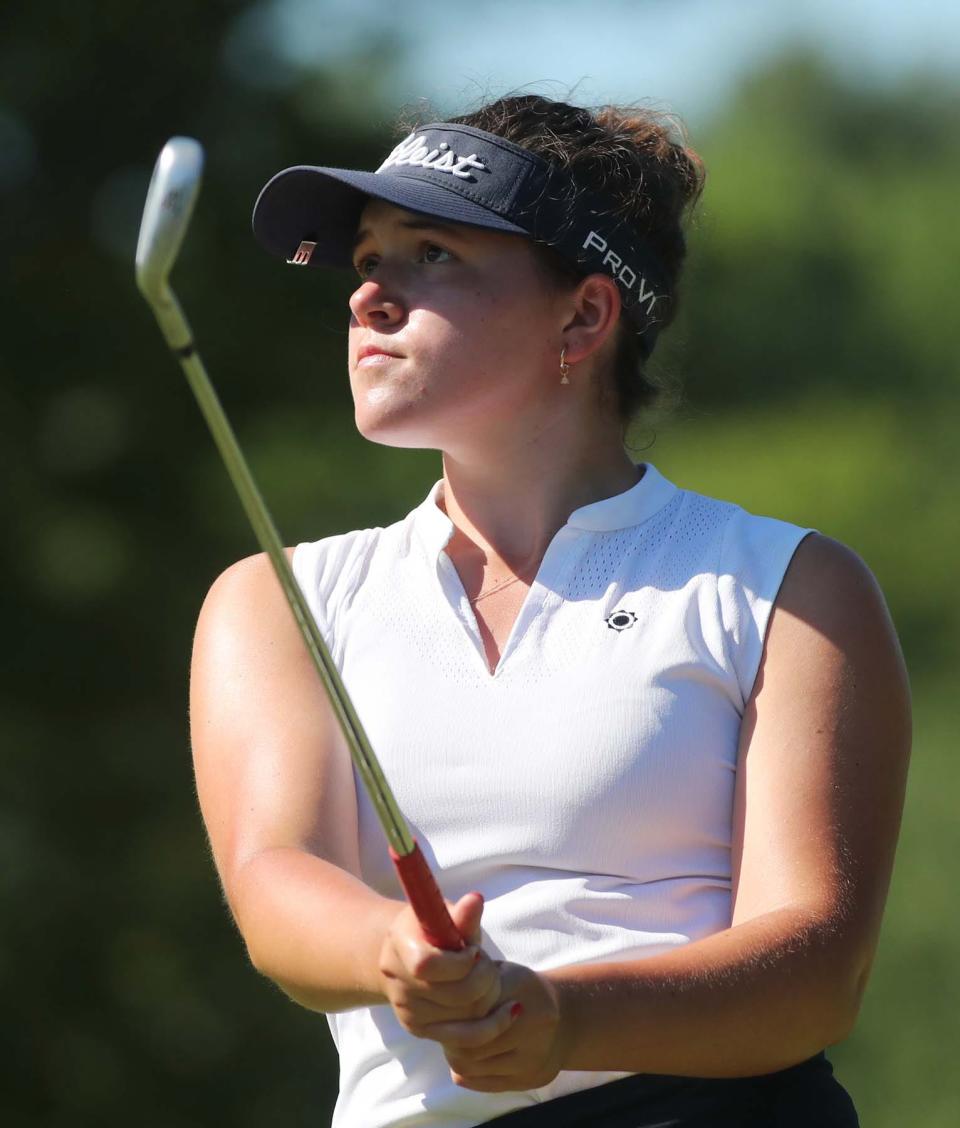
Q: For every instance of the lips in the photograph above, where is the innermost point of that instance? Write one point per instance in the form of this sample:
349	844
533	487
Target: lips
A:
374	351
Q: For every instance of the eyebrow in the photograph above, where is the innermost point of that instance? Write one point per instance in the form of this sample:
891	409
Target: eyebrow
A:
413	225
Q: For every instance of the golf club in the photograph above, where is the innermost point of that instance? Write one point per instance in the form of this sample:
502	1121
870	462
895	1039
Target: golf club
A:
173	190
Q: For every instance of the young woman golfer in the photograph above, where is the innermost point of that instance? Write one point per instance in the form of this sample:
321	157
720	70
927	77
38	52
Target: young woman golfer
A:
653	746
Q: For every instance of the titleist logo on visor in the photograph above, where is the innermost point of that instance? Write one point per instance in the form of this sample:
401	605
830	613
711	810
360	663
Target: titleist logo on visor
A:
414	151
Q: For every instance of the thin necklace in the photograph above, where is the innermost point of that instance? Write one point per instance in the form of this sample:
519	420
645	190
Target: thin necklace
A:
496	587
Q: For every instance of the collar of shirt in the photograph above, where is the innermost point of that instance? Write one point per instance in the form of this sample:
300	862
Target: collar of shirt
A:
622	511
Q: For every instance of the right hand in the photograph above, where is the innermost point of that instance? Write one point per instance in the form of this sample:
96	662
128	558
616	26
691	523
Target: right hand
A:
426	985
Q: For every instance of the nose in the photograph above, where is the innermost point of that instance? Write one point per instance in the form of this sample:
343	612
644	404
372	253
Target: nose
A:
373	304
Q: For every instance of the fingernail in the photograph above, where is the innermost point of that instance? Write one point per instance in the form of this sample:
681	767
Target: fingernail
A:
477	893
476	955
516	1010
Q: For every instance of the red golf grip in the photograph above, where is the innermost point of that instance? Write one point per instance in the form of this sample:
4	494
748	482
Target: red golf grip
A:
426	900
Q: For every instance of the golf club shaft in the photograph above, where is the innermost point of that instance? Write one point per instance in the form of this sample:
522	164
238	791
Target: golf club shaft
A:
415	874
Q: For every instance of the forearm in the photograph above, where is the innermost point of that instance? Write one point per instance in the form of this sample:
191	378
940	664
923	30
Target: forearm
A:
312	928
750	1000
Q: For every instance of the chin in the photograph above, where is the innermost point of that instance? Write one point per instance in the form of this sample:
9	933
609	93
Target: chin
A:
395	429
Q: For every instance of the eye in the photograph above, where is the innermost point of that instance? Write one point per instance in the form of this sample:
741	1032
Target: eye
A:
431	253
364	265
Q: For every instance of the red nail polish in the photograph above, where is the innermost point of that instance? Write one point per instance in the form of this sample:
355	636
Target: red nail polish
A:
516	1010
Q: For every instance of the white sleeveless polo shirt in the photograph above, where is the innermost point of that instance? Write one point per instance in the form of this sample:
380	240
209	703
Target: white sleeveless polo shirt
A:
586	786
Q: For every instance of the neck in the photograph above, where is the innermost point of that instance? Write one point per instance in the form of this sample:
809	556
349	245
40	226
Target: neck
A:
510	503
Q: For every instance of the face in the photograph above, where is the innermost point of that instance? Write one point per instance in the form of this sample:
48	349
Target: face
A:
454	333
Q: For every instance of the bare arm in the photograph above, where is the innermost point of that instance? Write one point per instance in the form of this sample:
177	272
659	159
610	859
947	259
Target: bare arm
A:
822	769
276	789
277	795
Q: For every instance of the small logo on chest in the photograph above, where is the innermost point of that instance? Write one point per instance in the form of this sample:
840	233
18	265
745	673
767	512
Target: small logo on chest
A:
620	620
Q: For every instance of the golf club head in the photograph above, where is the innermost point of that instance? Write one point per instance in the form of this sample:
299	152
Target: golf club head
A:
173	191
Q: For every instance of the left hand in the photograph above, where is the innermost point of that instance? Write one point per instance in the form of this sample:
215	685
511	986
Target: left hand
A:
517	1046
427	986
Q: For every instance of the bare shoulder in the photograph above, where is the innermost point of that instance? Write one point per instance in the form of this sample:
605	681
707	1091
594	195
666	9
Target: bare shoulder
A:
831	615
246	624
248	588
827	579
832	651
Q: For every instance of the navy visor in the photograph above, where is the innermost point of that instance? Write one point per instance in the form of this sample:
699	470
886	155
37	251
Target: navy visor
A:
309	215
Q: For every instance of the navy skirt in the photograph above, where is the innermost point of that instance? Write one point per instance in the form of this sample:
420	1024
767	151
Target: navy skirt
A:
805	1096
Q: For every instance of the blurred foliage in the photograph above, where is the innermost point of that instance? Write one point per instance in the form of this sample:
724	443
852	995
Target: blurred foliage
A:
828	217
819	351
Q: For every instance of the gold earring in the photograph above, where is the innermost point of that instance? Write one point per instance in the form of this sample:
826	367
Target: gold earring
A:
564	367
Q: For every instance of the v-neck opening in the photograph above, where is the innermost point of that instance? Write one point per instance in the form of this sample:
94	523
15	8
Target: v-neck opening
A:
632	507
542	584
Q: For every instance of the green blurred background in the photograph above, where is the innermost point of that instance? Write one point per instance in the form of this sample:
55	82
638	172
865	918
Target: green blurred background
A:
818	350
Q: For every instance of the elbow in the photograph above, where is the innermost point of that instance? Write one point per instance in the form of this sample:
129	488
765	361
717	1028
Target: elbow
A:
261	950
259	958
845	950
261	962
838	1024
847	1001
245	917
258	953
827	994
259	942
822	1018
843	996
